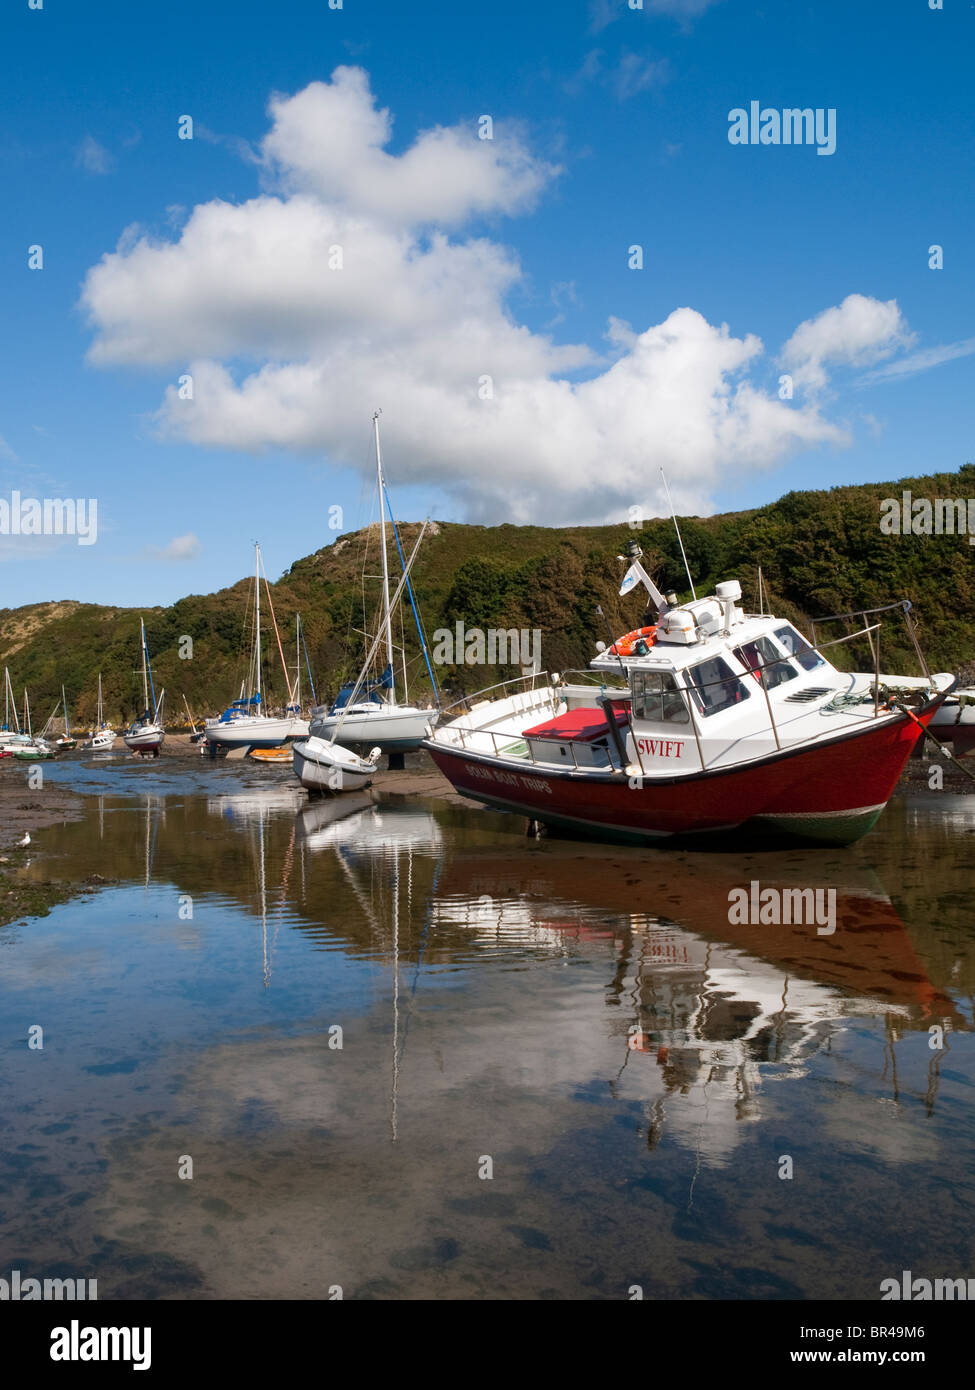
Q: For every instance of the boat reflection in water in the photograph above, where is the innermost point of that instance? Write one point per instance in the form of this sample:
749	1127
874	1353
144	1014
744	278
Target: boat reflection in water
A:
710	1011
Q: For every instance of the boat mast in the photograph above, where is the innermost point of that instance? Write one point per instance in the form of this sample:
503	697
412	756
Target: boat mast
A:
99	719
257	643
64	707
382	535
145	676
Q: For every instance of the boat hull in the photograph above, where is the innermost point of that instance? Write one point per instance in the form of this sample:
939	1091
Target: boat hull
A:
829	792
389	730
145	740
255	732
953	725
325	767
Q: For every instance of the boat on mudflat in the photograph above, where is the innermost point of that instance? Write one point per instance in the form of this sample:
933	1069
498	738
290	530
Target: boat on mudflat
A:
244	723
146	734
368	712
708	720
954	722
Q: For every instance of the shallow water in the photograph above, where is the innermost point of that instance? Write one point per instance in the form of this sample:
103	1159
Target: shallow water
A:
580	1019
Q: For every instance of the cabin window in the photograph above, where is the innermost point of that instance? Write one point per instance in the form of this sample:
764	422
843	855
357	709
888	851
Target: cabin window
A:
761	654
657	698
715	686
798	647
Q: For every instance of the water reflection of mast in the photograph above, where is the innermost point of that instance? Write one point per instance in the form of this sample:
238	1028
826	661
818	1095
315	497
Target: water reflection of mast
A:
150	845
263	893
395	1078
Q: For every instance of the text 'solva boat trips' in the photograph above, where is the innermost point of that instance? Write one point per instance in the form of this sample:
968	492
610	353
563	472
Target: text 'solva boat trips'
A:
708	719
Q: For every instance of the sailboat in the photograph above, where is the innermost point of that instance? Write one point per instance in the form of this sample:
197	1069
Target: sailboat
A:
323	764
146	734
243	723
101	736
8	734
365	714
65	740
25	745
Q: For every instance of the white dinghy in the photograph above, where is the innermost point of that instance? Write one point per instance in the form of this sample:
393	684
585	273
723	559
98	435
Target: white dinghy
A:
323	764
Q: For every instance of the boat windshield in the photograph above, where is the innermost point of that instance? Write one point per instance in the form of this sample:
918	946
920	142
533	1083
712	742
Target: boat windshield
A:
657	698
798	647
715	686
762	655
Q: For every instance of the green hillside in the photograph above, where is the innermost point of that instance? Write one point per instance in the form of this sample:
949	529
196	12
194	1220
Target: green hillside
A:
820	552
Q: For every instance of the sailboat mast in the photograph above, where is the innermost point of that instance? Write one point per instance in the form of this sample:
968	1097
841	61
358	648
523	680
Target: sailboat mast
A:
99	720
145	669
382	535
257	643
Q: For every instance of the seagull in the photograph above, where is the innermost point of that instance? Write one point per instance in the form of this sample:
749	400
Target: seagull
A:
22	844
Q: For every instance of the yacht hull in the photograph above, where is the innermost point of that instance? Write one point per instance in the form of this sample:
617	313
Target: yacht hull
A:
389	730
326	767
255	732
145	740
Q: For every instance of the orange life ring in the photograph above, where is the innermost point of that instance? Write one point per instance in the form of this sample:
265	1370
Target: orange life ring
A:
623	646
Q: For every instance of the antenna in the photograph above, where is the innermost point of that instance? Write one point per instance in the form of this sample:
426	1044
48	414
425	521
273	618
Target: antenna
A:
673	517
761	600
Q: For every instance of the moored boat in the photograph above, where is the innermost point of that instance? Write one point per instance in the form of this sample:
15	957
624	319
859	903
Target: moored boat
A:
954	722
377	717
244	724
707	721
146	734
323	766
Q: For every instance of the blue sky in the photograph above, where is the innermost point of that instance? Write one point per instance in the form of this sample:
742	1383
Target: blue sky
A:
611	129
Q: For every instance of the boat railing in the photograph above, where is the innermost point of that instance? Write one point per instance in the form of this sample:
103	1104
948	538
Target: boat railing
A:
904	606
465	702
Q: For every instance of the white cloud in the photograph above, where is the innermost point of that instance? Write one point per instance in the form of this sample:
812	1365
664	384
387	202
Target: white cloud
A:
179	548
857	332
631	74
921	361
328	141
93	157
288	353
6	452
637	72
602	13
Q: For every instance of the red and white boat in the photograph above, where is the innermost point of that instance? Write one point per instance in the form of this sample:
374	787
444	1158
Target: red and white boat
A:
707	720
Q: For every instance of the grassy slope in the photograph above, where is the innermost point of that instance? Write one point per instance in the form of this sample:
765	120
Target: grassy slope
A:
821	552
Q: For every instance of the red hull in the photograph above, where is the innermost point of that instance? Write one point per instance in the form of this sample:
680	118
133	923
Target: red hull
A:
833	791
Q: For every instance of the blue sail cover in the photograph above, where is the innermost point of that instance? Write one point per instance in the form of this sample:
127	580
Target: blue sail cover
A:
367	692
241	707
